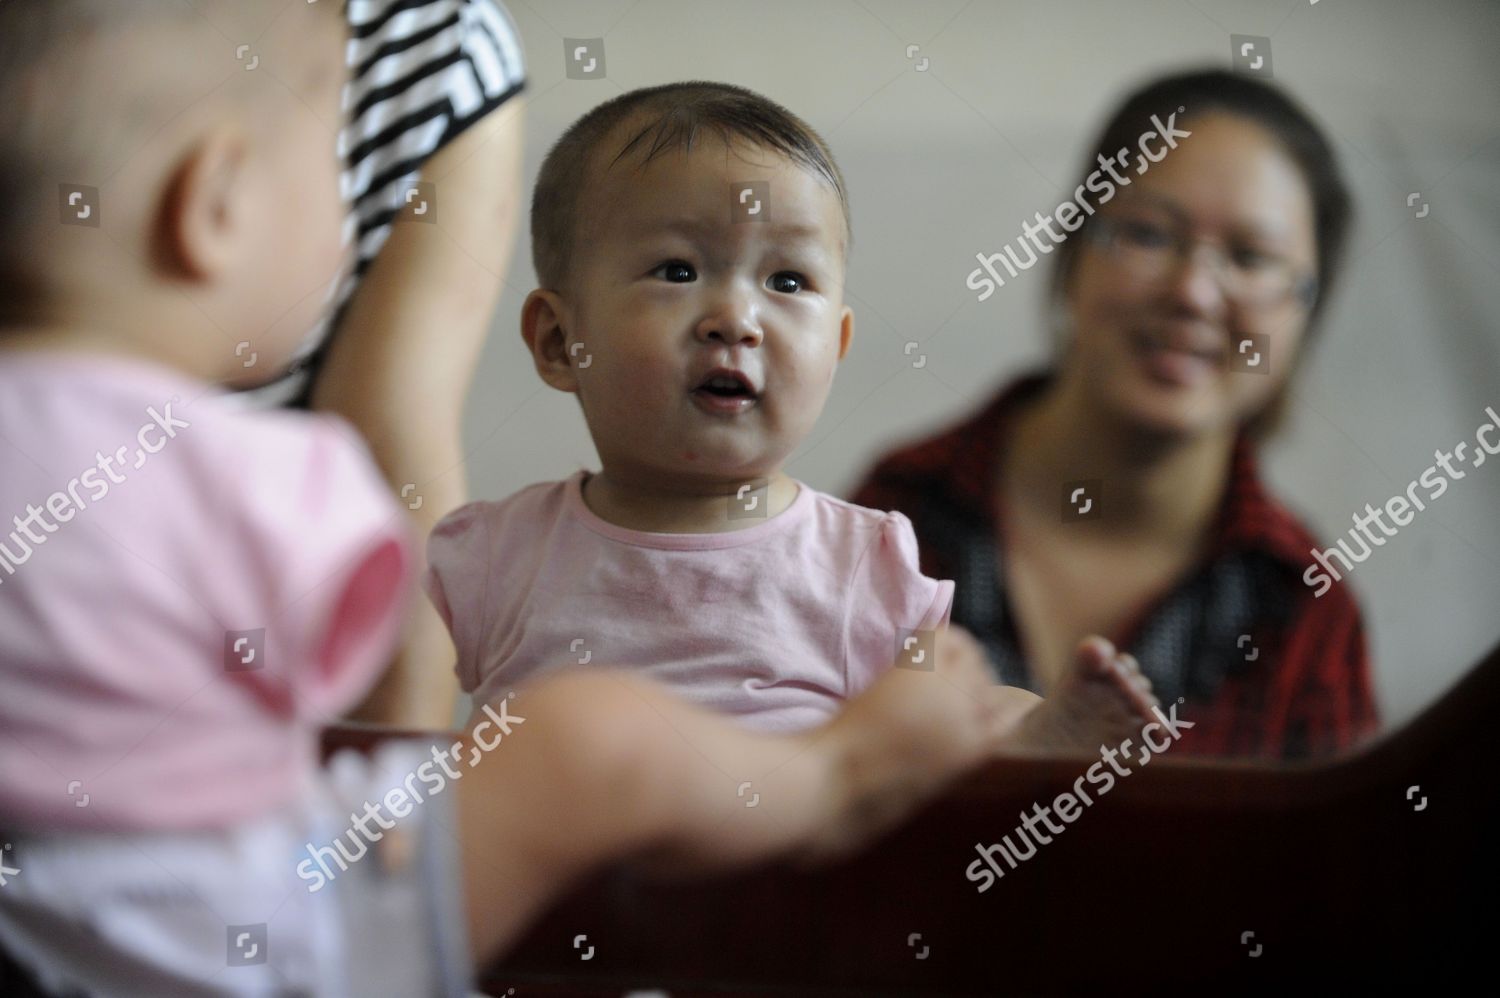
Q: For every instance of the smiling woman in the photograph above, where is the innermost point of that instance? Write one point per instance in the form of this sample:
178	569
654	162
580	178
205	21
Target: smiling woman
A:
1118	493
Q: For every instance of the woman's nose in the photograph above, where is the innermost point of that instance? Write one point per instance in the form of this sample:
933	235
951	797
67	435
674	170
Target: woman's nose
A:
1197	280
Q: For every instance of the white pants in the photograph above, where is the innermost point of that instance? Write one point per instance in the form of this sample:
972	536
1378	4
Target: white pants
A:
226	913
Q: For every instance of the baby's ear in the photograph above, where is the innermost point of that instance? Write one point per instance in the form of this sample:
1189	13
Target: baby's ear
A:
543	327
207	216
846	330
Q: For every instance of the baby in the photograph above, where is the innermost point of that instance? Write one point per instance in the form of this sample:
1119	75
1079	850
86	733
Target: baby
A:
691	241
188	591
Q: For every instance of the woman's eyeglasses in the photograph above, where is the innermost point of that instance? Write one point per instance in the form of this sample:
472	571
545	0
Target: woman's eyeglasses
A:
1149	249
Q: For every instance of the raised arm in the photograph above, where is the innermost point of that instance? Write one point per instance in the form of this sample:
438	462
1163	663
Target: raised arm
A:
402	361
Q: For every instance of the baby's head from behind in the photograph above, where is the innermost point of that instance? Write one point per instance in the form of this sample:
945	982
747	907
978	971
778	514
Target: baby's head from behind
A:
171	177
679	231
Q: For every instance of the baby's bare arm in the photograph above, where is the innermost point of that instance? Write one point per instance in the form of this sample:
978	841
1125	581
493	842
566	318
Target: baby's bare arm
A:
608	766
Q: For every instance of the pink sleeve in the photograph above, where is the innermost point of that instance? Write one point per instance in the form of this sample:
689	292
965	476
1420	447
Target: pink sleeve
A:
889	599
456	580
335	556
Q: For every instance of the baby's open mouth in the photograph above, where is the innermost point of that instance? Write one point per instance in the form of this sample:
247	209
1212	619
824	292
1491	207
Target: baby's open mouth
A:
728	386
726	392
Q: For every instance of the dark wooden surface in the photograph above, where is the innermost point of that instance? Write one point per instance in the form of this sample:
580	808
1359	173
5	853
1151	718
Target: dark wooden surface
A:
1343	882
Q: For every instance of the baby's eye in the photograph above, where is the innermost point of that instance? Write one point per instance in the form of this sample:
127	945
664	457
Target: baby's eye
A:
787	282
676	272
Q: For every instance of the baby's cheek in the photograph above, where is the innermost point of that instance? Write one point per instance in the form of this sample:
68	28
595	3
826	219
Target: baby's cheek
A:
635	392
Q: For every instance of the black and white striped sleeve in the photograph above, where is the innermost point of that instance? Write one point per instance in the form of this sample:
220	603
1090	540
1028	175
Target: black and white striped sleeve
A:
420	73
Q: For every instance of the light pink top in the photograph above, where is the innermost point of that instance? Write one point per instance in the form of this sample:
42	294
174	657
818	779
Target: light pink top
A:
118	627
775	623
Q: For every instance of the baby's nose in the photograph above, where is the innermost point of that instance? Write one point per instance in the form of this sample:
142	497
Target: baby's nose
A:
731	327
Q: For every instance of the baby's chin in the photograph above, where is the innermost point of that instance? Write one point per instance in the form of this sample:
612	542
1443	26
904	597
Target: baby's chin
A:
701	448
257	374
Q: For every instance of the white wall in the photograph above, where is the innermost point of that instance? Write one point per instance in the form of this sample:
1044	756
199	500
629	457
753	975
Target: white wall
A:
945	163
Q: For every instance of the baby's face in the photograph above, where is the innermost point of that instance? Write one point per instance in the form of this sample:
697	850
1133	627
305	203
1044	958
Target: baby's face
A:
674	280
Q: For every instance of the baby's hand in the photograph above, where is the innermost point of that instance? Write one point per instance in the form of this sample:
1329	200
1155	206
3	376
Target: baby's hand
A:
907	737
1102	699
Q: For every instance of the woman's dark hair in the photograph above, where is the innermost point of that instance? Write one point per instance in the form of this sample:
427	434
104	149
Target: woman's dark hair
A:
1204	92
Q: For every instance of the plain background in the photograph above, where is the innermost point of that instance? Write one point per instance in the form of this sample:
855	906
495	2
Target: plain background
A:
946	162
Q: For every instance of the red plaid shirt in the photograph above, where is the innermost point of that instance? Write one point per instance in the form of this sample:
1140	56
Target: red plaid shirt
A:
1298	685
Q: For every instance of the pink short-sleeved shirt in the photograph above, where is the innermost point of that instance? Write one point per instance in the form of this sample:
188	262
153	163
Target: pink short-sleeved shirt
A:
775	624
187	593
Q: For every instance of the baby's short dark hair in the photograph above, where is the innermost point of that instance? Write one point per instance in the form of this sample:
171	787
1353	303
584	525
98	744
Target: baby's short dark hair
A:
668	117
